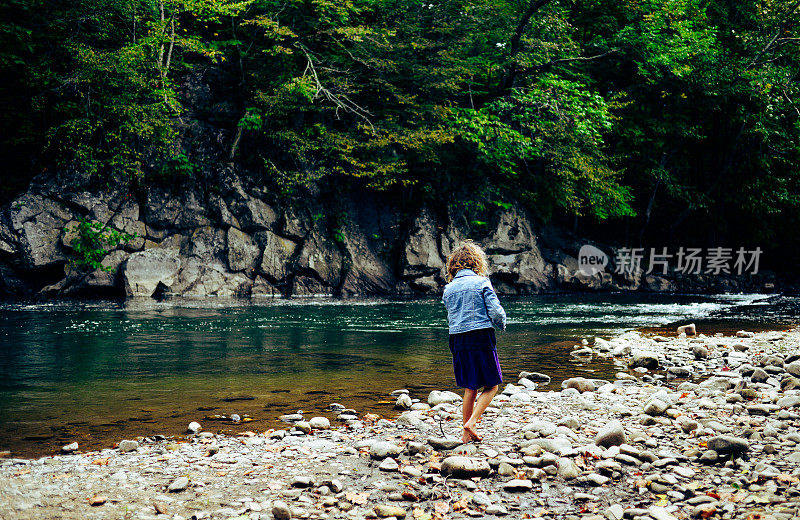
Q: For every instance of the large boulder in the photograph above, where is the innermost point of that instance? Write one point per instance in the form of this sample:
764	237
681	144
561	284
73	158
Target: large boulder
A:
105	279
204	271
199	279
310	286
320	259
276	256
513	234
167	210
126	220
38	224
421	256
368	273
145	271
243	252
250	210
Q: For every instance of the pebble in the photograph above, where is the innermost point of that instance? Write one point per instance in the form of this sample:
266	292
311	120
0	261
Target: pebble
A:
97	500
579	383
496	509
380	450
281	511
518	485
193	427
444	443
389	464
612	434
403	402
655	407
302	481
319	423
465	467
128	446
388	510
179	484
567	469
726	444
614	512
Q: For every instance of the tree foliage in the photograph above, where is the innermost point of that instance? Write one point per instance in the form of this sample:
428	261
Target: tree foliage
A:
677	116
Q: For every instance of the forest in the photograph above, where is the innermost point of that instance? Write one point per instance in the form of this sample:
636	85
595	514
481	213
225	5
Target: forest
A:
654	122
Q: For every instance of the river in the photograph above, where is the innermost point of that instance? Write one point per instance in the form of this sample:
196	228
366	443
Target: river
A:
97	372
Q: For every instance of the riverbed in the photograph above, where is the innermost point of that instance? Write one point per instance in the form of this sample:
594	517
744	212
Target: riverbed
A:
96	373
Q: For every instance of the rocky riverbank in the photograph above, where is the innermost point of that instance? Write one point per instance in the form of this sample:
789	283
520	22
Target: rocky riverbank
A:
699	427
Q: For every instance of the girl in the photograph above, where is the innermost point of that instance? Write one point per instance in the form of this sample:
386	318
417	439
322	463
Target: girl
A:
473	311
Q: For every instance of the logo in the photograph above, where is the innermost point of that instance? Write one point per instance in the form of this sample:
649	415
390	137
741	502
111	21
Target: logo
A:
591	260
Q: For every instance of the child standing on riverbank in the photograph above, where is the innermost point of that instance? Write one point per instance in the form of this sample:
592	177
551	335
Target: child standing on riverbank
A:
473	312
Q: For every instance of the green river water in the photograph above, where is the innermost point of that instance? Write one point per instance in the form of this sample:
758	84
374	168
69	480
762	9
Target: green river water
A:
97	373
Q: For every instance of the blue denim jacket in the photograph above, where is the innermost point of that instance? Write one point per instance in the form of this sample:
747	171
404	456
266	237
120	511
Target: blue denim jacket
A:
472	303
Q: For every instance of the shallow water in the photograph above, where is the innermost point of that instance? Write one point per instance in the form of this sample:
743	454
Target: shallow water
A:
97	374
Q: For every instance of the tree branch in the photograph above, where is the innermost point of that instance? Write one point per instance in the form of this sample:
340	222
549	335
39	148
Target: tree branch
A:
786	24
341	101
559	61
516	39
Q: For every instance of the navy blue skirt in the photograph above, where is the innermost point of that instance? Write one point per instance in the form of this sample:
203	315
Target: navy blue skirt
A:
475	362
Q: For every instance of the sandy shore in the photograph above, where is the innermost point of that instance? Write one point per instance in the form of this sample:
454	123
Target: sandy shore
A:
705	427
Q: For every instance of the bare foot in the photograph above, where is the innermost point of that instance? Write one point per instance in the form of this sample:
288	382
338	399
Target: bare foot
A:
465	437
469	430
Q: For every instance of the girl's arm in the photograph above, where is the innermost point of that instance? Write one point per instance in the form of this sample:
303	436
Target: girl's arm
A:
496	312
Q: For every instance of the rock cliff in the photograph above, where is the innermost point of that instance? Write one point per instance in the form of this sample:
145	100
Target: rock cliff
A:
236	241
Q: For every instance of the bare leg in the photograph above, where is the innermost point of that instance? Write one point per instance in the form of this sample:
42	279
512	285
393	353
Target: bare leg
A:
480	406
466	408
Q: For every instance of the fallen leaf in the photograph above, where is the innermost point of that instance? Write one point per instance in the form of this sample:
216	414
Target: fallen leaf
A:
22	472
58	477
783	477
461	504
356	498
411	497
101	462
441	507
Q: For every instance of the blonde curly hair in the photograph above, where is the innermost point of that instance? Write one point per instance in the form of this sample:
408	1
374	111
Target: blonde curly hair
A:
468	255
